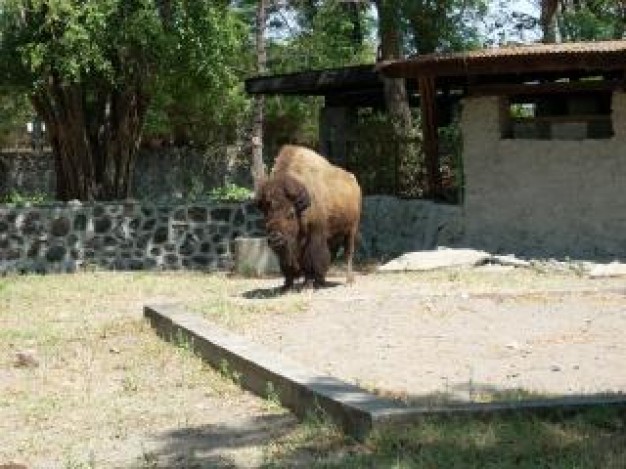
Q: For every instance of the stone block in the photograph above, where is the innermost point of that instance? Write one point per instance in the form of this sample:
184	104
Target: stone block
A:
430	260
254	257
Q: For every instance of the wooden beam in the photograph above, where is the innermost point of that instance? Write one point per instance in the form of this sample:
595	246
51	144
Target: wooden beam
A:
428	109
544	88
316	82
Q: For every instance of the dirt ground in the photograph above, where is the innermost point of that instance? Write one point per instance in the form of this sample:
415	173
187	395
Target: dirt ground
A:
107	392
486	334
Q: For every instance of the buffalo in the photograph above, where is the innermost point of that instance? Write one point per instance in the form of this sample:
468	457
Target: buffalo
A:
311	208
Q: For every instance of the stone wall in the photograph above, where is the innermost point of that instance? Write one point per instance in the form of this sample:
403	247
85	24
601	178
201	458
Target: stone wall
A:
26	173
391	226
160	173
548	198
123	236
136	236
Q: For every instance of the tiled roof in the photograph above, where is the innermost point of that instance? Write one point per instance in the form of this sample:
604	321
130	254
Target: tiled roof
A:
594	56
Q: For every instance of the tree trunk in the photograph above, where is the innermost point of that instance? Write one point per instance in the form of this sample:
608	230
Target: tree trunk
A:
548	20
94	135
619	30
396	97
428	25
258	169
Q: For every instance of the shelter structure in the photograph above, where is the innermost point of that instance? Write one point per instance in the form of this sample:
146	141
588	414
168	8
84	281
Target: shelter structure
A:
543	136
343	89
346	91
544	144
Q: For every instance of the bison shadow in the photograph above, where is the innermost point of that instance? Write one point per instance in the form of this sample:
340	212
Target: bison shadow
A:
276	292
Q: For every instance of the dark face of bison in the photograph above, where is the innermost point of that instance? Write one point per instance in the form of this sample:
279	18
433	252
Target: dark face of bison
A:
282	201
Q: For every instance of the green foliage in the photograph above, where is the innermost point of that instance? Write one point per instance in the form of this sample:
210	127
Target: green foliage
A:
587	23
104	40
15	111
228	372
199	98
591	438
331	35
16	198
291	119
231	193
448	25
272	396
312	35
93	67
383	161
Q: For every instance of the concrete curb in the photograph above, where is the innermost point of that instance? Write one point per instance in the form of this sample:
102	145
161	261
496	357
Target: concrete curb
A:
353	409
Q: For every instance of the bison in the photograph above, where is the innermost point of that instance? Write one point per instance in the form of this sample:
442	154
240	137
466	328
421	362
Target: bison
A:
311	208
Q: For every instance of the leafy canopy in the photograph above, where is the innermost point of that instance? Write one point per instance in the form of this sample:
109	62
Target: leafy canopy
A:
172	49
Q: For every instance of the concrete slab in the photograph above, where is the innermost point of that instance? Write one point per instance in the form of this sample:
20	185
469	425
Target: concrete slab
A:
253	257
262	371
356	411
440	258
614	269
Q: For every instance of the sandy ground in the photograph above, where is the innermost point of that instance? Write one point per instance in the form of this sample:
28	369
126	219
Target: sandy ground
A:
464	340
111	394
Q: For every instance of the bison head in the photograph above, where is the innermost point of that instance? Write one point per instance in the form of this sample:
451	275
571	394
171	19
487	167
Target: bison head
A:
282	201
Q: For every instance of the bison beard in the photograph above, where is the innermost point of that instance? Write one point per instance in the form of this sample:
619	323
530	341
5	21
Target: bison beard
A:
310	208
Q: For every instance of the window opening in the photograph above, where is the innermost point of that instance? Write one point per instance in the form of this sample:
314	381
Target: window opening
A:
575	116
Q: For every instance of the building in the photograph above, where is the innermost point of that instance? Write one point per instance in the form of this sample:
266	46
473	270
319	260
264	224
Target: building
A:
544	144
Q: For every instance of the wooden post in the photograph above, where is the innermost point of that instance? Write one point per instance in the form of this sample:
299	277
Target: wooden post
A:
428	95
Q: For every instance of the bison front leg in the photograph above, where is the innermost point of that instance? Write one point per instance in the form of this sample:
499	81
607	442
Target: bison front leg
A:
315	259
291	274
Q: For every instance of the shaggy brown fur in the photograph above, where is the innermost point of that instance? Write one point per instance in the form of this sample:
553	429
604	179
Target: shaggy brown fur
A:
311	208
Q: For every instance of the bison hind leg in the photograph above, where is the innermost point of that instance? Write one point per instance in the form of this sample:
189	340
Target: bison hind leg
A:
349	247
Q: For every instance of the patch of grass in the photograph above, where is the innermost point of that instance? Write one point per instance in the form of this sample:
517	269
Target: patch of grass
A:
229	308
315	441
105	381
592	439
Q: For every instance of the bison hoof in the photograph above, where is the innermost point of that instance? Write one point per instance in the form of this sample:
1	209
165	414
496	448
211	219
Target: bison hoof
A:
310	284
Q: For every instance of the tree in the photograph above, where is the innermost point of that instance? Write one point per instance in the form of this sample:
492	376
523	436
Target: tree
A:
303	35
421	26
548	21
584	20
443	25
391	48
319	34
258	169
91	68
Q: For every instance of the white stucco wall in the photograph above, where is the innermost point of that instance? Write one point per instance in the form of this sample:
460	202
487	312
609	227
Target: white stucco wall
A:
543	197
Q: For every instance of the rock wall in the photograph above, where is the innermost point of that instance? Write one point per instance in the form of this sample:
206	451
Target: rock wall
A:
26	173
123	236
159	174
196	236
392	226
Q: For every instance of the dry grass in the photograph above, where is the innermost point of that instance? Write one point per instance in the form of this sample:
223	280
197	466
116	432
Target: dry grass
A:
105	386
108	393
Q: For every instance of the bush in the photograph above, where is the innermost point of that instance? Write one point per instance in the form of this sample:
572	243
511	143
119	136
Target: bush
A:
16	198
231	193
